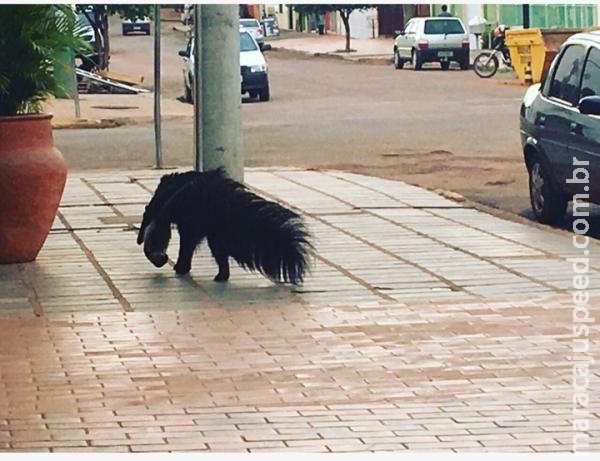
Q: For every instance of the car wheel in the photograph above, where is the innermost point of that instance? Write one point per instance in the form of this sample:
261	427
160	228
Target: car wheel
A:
416	60
264	94
445	65
548	203
398	62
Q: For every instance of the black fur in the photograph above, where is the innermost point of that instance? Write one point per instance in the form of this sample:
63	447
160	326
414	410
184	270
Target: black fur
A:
258	234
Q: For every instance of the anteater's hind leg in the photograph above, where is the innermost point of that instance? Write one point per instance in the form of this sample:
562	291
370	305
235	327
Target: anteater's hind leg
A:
221	257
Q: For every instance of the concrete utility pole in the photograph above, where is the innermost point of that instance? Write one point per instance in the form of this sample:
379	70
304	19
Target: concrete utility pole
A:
197	89
221	99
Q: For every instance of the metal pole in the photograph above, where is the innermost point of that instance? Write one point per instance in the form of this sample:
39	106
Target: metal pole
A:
75	89
197	89
157	117
526	21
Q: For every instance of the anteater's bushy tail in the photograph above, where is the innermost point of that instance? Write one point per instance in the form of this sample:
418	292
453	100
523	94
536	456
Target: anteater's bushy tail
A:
272	239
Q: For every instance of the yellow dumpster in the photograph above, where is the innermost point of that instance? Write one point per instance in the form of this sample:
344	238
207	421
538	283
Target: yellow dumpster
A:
527	53
532	50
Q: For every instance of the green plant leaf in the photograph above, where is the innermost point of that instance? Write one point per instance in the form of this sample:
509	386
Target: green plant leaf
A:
32	38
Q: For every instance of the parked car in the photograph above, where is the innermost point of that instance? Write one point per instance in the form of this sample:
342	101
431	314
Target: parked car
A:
253	27
84	29
139	25
253	68
560	129
432	39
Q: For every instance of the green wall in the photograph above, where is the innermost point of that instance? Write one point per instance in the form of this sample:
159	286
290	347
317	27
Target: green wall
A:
546	16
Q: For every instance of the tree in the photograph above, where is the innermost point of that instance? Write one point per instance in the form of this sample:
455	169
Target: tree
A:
97	15
343	10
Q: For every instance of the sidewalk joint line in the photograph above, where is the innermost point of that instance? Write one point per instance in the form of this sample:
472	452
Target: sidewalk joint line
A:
451	285
457	248
99	269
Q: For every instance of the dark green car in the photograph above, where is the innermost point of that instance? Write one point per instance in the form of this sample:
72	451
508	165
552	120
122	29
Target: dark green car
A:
560	131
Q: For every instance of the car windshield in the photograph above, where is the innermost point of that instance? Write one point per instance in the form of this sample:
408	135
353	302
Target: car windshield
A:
246	42
249	23
443	26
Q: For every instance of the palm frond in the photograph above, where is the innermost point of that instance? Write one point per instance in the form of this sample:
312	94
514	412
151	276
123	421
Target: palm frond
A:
32	38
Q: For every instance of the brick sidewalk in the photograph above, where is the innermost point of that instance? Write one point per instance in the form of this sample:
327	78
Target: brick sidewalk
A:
485	376
426	325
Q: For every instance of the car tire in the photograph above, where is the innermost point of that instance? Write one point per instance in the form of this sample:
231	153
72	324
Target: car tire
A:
417	63
445	65
548	203
264	94
398	62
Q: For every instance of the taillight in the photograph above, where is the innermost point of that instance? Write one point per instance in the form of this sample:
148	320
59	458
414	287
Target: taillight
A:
259	30
423	44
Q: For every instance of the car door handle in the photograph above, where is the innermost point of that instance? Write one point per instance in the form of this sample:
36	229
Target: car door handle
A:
576	128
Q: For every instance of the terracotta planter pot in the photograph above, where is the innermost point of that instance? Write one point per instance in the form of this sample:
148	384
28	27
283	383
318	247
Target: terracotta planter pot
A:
32	179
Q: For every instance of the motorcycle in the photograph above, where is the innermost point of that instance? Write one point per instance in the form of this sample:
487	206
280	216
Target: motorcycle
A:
486	63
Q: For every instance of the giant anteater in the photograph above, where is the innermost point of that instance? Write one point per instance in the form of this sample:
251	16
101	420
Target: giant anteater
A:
258	234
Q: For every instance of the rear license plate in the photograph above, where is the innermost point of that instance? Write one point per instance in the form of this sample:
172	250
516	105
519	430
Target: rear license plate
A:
137	27
445	54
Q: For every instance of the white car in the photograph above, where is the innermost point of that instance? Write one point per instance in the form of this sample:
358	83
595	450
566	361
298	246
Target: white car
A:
253	68
139	25
253	27
432	39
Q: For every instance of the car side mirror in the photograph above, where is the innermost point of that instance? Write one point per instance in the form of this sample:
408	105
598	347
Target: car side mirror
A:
266	47
590	105
184	53
398	32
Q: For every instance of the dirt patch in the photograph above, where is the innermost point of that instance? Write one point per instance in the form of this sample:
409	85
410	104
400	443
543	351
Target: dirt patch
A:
494	182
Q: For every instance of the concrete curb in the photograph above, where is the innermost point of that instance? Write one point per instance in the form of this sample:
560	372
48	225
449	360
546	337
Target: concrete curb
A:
370	59
111	122
85	123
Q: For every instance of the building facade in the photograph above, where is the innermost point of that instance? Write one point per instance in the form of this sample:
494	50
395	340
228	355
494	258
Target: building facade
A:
382	20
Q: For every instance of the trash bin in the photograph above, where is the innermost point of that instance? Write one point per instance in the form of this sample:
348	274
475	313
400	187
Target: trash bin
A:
526	48
527	52
553	39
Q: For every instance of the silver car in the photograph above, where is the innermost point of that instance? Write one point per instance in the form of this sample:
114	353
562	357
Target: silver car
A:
432	39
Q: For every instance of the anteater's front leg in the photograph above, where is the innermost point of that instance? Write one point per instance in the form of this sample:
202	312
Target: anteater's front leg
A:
187	245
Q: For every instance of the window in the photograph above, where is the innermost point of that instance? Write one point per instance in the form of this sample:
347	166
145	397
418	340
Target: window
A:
246	42
590	82
566	78
249	23
443	26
